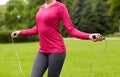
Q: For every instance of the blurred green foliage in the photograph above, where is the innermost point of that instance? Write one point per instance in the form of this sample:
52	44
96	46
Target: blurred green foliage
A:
100	16
114	11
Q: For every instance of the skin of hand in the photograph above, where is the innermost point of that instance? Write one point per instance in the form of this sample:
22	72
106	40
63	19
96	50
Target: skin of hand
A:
15	34
98	37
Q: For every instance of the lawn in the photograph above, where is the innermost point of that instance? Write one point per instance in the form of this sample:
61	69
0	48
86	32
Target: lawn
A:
80	54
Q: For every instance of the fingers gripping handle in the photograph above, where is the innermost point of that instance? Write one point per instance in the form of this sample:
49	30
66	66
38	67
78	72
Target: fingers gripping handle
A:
94	37
15	34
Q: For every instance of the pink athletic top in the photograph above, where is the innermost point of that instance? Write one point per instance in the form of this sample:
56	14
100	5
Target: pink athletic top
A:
47	27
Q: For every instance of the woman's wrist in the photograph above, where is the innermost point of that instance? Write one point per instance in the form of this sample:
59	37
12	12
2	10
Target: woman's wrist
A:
90	36
18	32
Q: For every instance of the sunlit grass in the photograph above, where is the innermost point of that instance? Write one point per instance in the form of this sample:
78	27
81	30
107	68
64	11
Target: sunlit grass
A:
77	64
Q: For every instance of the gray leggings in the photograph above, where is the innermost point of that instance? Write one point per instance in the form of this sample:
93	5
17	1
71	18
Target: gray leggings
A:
53	62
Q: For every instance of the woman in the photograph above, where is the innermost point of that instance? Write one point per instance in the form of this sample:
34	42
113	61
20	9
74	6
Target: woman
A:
52	50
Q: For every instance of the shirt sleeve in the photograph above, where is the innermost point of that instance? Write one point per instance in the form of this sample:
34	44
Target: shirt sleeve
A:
27	32
64	15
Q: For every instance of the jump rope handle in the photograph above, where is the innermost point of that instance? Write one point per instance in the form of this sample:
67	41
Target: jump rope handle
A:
15	34
94	37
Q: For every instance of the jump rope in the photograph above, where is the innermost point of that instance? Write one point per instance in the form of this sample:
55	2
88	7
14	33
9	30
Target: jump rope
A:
91	64
99	57
18	57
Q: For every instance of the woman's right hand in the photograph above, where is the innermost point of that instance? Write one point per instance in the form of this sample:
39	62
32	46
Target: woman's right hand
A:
15	34
96	37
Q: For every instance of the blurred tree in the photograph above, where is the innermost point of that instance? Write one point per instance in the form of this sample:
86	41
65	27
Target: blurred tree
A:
84	16
15	14
115	11
88	18
105	22
114	8
2	11
77	13
1	15
91	16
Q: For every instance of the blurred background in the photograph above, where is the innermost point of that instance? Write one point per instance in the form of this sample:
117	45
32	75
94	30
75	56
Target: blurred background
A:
92	16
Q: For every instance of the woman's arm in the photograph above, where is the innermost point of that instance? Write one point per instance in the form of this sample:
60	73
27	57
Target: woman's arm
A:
27	32
64	15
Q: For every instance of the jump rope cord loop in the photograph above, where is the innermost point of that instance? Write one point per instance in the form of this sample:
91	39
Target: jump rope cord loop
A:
98	59
91	64
18	57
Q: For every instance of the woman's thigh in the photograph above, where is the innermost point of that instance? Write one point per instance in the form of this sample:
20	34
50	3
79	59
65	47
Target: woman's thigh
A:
40	65
56	62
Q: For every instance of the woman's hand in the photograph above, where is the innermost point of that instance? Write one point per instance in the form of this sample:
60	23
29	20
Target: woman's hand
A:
15	34
96	37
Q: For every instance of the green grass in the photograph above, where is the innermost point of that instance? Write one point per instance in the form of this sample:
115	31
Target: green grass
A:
77	64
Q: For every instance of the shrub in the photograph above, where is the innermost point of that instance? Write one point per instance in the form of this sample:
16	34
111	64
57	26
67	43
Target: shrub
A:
6	38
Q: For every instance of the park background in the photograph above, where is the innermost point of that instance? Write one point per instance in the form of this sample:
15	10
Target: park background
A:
91	16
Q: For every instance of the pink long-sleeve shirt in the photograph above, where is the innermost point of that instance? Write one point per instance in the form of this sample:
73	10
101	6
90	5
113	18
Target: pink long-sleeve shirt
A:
47	27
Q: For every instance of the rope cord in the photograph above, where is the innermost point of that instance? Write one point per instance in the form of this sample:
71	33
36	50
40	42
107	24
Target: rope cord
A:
91	64
98	59
18	57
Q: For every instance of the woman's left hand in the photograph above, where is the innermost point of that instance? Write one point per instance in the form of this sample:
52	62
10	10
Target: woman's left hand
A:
96	37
